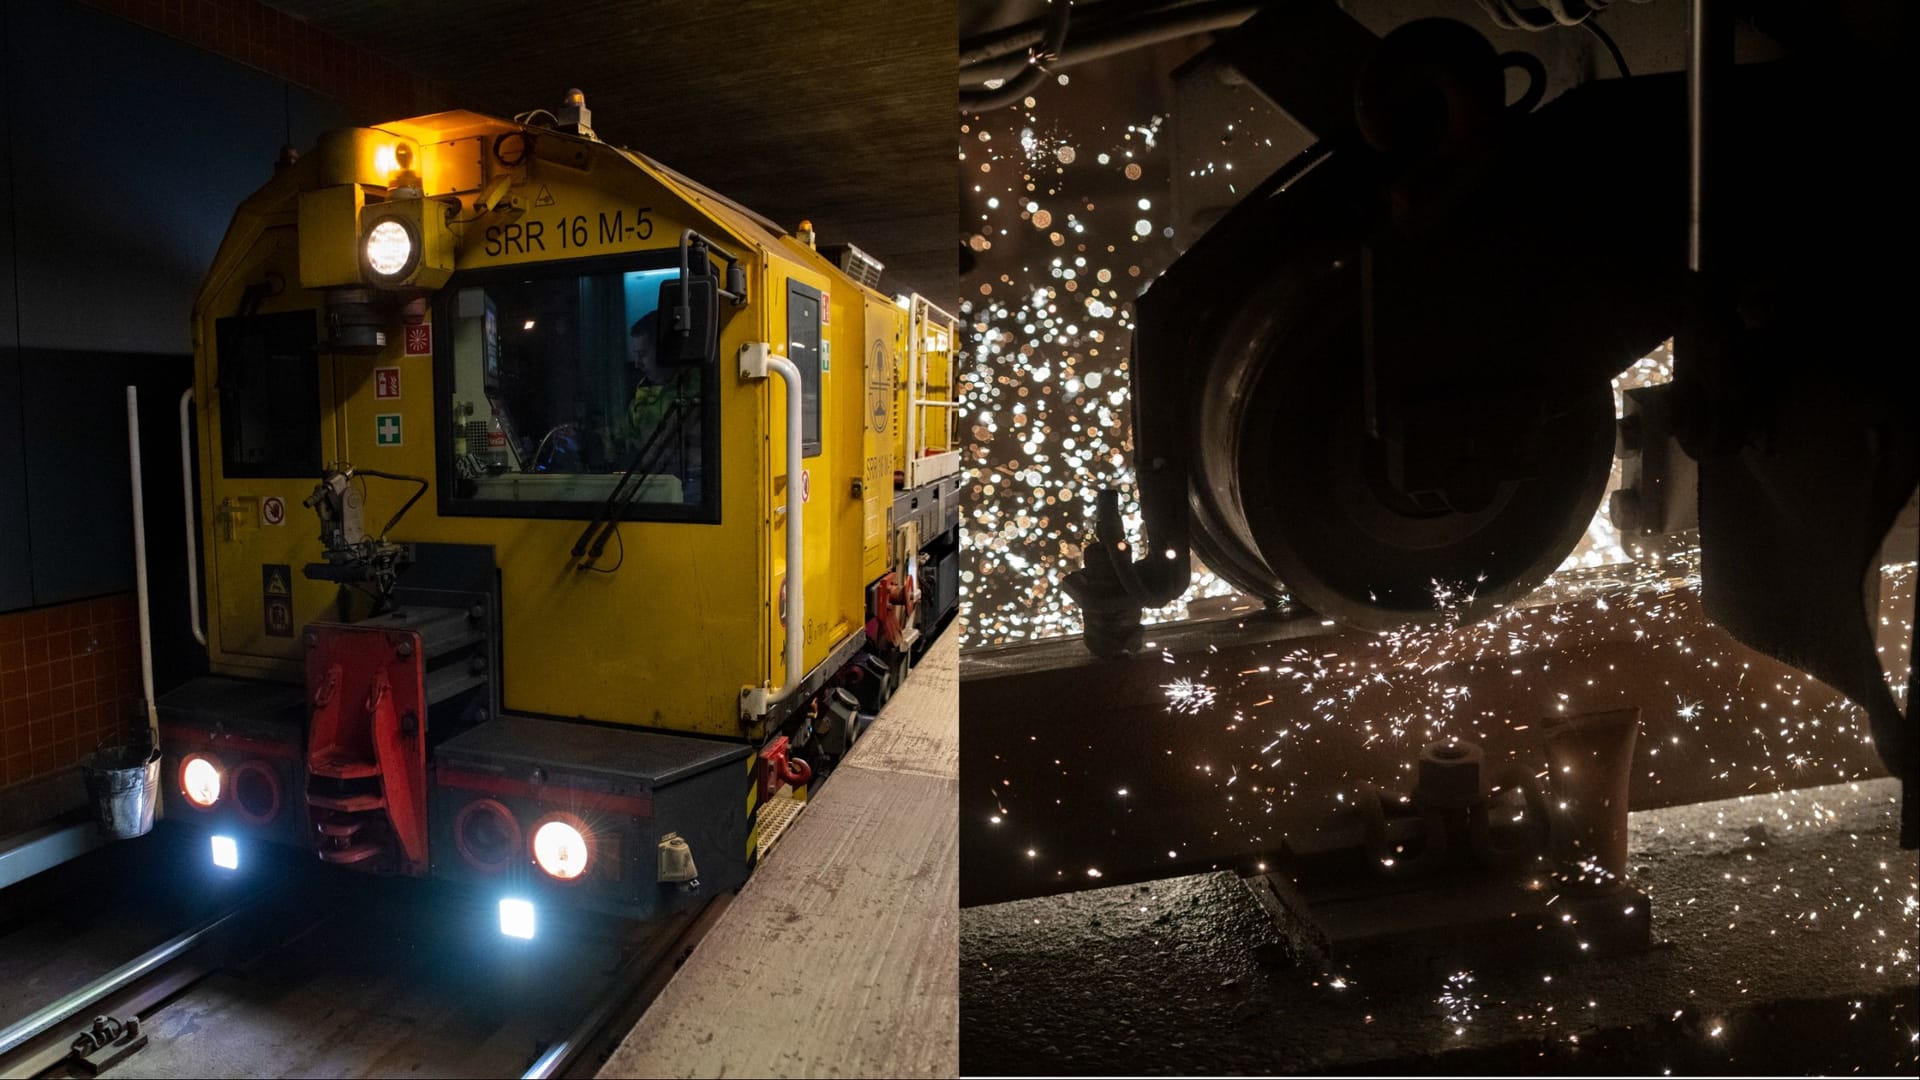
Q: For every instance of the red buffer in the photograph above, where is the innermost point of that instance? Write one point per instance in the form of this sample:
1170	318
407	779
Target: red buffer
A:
366	748
777	767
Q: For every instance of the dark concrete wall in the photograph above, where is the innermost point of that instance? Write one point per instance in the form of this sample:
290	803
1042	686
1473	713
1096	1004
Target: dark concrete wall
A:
129	152
128	133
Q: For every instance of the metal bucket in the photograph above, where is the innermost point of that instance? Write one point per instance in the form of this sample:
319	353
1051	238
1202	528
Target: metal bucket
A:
124	784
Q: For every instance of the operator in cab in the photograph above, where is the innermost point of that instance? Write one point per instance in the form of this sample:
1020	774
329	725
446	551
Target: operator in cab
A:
664	395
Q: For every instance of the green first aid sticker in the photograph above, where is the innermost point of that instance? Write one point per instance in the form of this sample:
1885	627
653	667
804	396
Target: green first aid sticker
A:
386	429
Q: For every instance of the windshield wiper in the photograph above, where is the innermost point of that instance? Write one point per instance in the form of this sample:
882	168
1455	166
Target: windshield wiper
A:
628	487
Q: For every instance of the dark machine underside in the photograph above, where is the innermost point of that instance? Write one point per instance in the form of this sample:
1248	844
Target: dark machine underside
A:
1379	387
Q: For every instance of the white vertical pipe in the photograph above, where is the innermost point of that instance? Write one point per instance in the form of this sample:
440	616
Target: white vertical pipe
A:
140	561
796	568
187	500
913	389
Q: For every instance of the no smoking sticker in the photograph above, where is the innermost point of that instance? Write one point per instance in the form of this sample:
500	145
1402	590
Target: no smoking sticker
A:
273	510
806	485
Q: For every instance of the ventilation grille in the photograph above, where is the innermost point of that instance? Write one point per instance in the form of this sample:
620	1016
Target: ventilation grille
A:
858	265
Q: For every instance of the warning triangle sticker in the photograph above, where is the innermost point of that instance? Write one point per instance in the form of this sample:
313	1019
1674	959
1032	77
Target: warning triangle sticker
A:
545	198
276	585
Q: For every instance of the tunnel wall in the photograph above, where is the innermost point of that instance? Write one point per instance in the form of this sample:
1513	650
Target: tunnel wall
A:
128	132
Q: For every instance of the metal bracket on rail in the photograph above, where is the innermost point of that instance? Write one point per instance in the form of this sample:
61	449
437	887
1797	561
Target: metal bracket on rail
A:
105	1045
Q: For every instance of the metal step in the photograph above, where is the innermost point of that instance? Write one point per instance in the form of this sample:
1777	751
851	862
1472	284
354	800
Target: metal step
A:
352	853
344	829
775	815
349	804
341	768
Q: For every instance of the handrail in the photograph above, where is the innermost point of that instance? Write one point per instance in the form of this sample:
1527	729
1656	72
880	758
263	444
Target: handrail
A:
187	501
915	334
757	361
140	562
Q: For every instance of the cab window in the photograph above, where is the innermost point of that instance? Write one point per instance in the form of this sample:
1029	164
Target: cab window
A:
268	374
557	392
803	348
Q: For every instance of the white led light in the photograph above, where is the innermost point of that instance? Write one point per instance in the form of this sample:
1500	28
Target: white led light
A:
226	853
389	246
516	918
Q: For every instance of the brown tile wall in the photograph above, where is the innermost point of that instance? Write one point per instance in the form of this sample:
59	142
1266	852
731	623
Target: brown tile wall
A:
69	683
281	45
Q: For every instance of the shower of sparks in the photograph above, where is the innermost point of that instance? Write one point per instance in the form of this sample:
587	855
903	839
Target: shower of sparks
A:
1068	227
1288	700
1188	697
1738	888
1458	1001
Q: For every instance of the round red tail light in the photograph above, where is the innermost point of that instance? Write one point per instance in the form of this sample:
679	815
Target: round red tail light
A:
486	835
256	792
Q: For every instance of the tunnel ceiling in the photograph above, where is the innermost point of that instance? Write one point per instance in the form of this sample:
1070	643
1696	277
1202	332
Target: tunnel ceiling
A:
840	113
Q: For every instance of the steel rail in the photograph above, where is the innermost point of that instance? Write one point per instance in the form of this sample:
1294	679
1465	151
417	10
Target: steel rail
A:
37	1042
639	980
78	1001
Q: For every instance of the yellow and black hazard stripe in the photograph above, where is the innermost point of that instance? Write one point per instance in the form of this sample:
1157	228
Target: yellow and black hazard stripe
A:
753	810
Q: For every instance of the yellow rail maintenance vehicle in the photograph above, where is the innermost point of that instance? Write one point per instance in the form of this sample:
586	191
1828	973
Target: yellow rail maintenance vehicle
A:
557	513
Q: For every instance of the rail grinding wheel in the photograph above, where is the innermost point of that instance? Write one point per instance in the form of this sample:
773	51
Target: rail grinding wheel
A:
1342	539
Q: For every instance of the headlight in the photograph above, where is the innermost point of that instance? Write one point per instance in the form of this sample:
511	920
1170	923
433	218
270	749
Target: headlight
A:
516	918
201	778
562	848
389	249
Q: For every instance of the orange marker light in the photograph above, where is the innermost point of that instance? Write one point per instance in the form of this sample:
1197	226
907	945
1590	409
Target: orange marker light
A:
200	780
562	849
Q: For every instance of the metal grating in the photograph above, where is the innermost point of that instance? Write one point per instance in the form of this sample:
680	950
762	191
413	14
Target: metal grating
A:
775	815
858	265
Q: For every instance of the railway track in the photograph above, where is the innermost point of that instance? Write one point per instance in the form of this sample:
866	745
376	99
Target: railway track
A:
373	977
43	1041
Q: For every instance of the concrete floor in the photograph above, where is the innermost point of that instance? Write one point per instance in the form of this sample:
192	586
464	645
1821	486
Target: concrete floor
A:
837	957
1786	938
